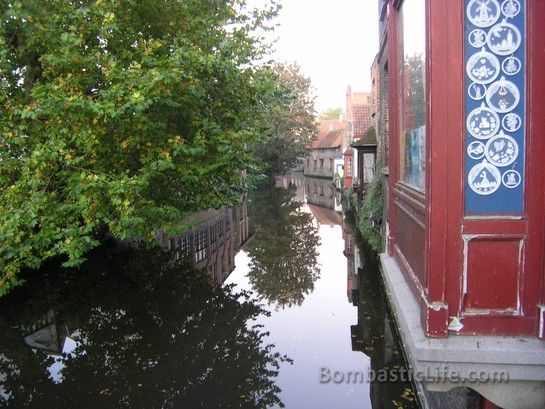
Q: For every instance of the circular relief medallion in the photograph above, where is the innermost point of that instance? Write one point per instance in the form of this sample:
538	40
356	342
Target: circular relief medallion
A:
483	67
475	150
511	65
501	150
510	8
482	122
504	38
511	179
483	13
484	178
511	122
476	91
502	96
477	38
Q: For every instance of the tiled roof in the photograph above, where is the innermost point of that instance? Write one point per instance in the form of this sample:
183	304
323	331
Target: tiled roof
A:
329	139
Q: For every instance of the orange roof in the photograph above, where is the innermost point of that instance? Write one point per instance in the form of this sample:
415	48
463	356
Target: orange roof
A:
331	139
330	135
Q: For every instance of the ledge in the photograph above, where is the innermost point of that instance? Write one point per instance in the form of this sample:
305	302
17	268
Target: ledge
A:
522	359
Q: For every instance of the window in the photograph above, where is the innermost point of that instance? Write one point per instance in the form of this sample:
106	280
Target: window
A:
368	167
321	163
213	237
201	244
349	167
413	93
184	245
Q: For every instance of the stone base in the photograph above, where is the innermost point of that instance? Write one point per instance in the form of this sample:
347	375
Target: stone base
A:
508	371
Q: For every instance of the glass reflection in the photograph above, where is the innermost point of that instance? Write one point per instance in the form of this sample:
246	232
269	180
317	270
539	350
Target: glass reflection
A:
283	251
135	329
413	76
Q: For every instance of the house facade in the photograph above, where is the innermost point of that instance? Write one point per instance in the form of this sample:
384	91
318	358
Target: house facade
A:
462	146
326	150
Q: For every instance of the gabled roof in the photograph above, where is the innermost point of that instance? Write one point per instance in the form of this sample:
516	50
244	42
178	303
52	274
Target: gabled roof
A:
329	139
331	134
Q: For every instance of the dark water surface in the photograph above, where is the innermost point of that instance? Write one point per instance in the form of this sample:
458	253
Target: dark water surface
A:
301	316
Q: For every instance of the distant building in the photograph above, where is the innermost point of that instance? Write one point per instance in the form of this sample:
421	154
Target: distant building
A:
327	149
359	118
365	157
359	109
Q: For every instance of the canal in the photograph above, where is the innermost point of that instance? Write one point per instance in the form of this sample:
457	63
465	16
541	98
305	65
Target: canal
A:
300	322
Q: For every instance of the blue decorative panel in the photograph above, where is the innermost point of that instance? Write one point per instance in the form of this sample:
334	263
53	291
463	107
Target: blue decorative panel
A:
495	111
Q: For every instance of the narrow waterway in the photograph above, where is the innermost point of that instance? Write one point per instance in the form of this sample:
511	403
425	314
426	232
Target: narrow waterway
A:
300	322
326	308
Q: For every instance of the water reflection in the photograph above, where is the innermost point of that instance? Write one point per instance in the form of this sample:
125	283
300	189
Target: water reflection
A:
373	334
283	251
133	329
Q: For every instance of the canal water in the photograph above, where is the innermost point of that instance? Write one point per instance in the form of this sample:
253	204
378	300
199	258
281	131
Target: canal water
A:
301	322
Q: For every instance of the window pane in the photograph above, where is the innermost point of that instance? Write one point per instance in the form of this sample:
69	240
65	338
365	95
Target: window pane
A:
413	101
368	167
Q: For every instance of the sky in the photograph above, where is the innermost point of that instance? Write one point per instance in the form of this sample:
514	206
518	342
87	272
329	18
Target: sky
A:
334	42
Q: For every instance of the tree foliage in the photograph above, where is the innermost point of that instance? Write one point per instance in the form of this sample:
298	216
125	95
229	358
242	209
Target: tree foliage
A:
289	124
121	116
331	113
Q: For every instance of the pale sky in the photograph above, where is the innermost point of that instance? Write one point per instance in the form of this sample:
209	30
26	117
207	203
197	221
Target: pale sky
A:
334	42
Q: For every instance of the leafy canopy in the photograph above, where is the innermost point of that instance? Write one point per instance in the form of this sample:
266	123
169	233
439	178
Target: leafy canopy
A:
332	113
289	126
121	116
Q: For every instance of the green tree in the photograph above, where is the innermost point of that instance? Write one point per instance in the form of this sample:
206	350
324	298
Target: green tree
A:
121	116
416	88
289	125
332	113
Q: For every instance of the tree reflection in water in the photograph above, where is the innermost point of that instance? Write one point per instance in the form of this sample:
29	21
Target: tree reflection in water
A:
283	252
150	333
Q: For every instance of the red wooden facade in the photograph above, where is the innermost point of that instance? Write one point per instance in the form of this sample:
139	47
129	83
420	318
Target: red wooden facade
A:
471	275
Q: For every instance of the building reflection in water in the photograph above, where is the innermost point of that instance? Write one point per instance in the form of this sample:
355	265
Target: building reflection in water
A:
373	334
212	244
